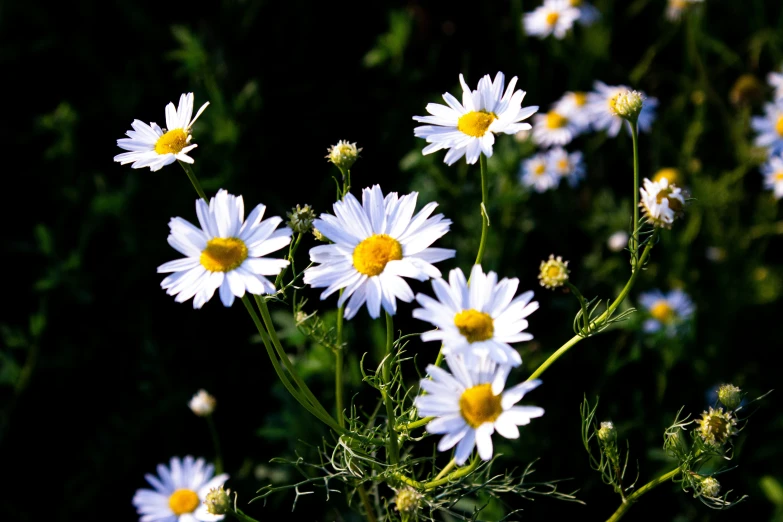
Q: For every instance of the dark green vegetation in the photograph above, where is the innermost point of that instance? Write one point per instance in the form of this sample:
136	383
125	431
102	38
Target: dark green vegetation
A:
98	362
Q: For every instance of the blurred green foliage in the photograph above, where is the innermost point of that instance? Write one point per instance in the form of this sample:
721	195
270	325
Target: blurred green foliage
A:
98	363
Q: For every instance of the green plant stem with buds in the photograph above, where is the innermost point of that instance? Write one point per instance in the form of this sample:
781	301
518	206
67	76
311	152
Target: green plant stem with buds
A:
604	316
634	199
194	180
292	247
626	505
216	444
484	215
393	448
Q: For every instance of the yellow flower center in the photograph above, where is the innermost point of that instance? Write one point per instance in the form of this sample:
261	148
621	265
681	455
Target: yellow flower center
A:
476	123
580	98
674	203
779	176
539	169
662	311
474	325
223	254
183	501
669	173
575	3
555	120
479	405
678	4
172	142
779	126
551	18
563	164
553	271
371	255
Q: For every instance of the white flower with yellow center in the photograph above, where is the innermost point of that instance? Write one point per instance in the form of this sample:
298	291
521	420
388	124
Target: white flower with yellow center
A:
376	243
588	14
226	253
775	81
555	17
479	319
601	104
661	202
770	128
153	147
469	128
773	175
537	173
179	492
553	128
573	105
470	405
570	167
667	312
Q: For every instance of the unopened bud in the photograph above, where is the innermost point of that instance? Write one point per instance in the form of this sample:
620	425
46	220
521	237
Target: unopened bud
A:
627	105
300	219
553	272
730	396
343	155
408	500
218	501
202	403
710	487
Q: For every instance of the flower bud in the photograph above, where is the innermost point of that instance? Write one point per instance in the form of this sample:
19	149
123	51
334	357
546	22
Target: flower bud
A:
300	219
627	105
730	396
408	500
319	236
553	272
607	432
218	501
709	487
202	403
716	426
343	155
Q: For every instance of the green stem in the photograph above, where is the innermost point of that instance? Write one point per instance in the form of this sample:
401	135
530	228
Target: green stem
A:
194	180
604	316
216	444
582	303
393	449
432	484
635	198
446	470
291	251
338	369
242	517
415	424
625	506
484	216
370	514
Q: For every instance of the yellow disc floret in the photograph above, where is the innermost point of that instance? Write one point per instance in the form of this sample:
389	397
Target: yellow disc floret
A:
779	126
662	312
580	98
172	142
223	254
476	123
555	120
183	501
778	176
563	165
474	325
716	426
371	255
479	405
551	18
539	169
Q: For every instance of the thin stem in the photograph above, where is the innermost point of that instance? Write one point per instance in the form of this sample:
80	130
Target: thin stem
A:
194	180
625	506
413	425
484	216
291	251
582	303
446	470
393	449
366	503
239	515
432	484
603	317
338	369
216	444
635	198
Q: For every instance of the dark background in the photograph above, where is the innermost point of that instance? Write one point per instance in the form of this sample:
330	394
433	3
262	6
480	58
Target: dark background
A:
98	363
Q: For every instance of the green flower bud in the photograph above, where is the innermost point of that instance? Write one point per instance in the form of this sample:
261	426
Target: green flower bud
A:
218	501
300	219
729	395
709	487
343	155
627	105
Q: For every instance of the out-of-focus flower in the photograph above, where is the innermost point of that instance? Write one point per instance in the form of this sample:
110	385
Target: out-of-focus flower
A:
376	243
573	105
202	403
671	174
775	80
667	312
676	8
772	171
570	167
588	14
618	241
553	128
537	173
470	405
555	17
469	128
662	203
769	128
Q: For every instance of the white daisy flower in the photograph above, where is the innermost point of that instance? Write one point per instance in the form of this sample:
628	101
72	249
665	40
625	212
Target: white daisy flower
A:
376	243
661	201
536	173
773	175
570	167
470	405
667	312
153	147
553	128
775	81
202	403
469	128
588	14
770	127
555	17
480	319
226	253
179	492
676	8
573	105
601	107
